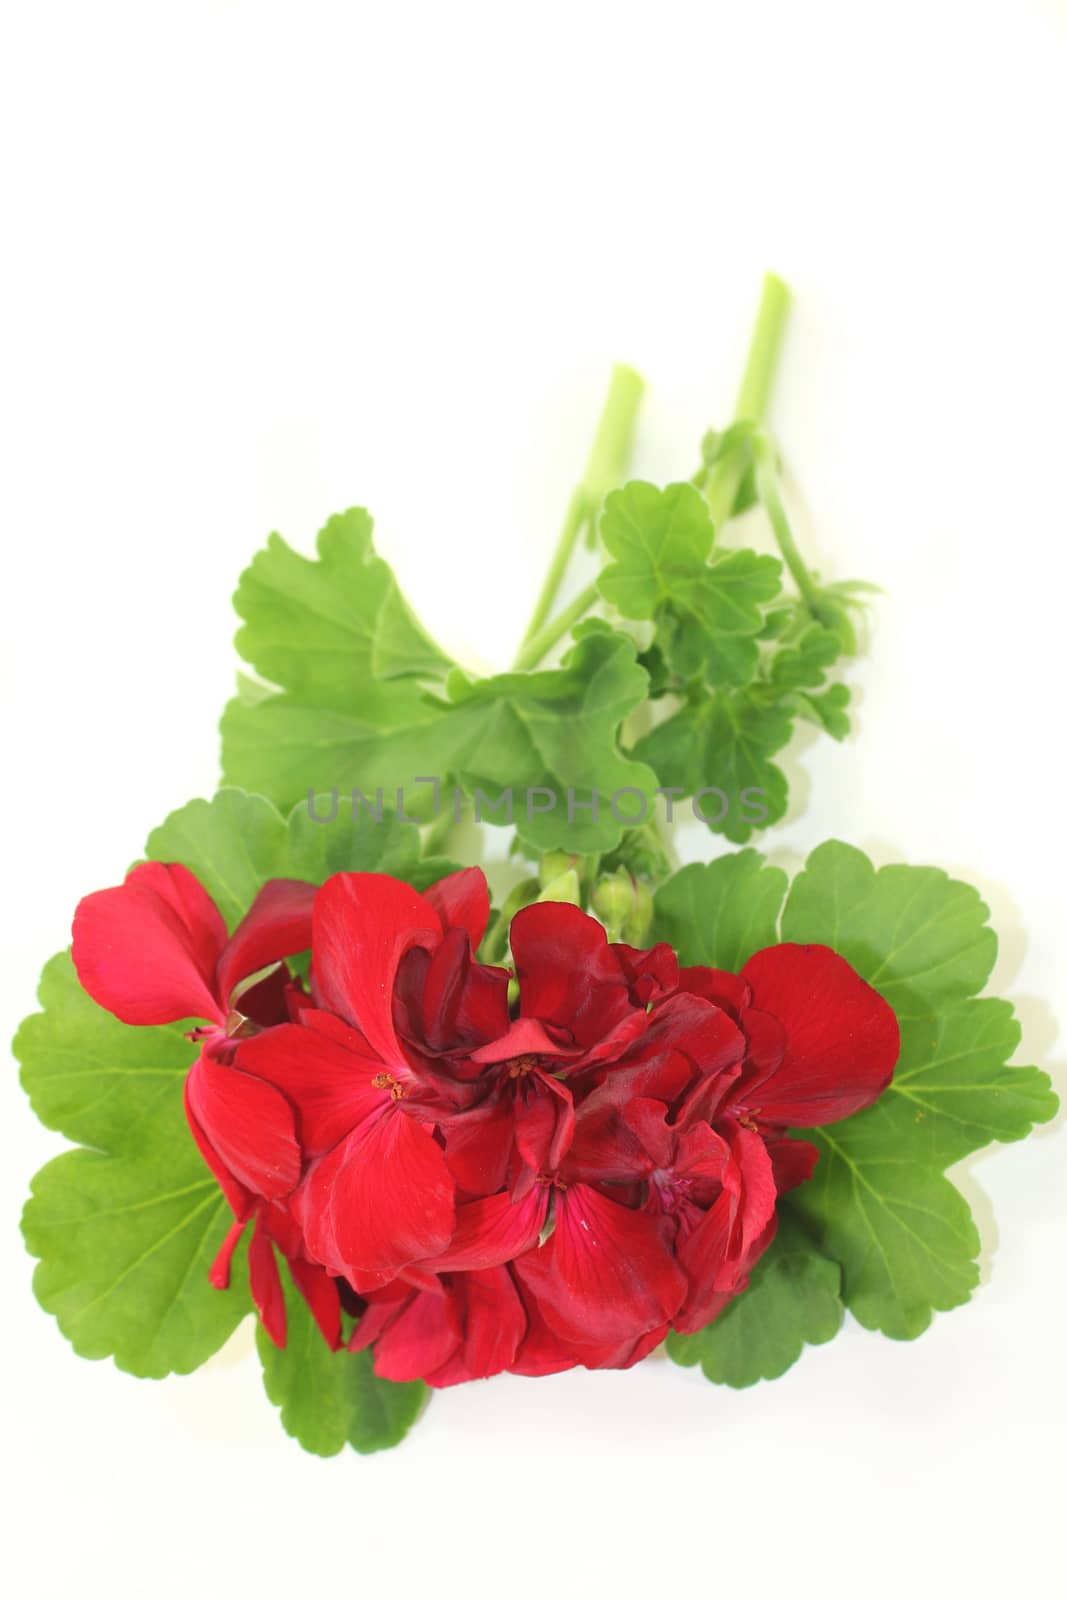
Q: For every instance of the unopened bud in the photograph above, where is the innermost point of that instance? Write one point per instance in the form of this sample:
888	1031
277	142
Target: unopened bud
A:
566	888
612	901
636	927
554	863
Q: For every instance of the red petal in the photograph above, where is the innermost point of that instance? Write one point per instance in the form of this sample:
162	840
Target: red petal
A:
461	1002
270	1000
248	1124
569	975
327	1078
493	1231
651	974
494	1323
647	1120
793	1161
147	950
364	922
266	1285
542	1351
462	901
842	1039
383	1306
544	1123
424	1336
607	1273
605	1149
686	1039
277	925
382	1199
219	1273
320	1292
619	1356
734	1232
724	989
478	1145
241	1201
525	1037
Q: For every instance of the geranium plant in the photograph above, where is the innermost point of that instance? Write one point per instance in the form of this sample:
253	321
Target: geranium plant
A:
317	1074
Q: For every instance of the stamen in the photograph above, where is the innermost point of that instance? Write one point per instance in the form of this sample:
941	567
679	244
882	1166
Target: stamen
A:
521	1066
385	1080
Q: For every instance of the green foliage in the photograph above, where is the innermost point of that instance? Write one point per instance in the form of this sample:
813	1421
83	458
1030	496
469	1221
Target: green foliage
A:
708	611
793	1299
557	731
351	697
920	937
332	1398
327	629
726	738
879	1205
125	1230
741	662
358	697
341	720
724	741
720	914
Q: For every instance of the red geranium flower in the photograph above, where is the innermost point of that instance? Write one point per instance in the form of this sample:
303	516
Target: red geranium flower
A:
496	1188
155	950
370	1078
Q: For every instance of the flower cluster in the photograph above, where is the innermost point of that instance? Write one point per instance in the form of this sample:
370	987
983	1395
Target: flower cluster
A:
493	1170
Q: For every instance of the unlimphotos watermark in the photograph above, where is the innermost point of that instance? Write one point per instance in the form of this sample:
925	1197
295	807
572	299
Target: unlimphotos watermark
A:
627	806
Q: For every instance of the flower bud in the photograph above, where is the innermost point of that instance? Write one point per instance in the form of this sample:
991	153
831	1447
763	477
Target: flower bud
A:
553	864
566	887
613	899
635	928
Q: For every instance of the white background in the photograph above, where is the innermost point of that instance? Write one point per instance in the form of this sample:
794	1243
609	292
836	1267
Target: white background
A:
265	262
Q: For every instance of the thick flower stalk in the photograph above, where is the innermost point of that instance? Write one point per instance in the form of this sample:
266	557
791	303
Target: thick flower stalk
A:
487	1184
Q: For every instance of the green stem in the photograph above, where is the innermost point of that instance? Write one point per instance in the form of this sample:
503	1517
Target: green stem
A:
436	835
607	464
771	500
534	650
724	479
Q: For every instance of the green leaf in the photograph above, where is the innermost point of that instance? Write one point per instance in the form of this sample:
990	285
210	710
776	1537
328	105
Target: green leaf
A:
336	636
332	1398
351	842
730	659
393	733
904	1236
828	710
920	937
125	1232
952	1091
233	843
321	629
236	841
724	741
88	1076
661	540
879	1204
803	663
739	583
793	1299
430	870
720	914
557	731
